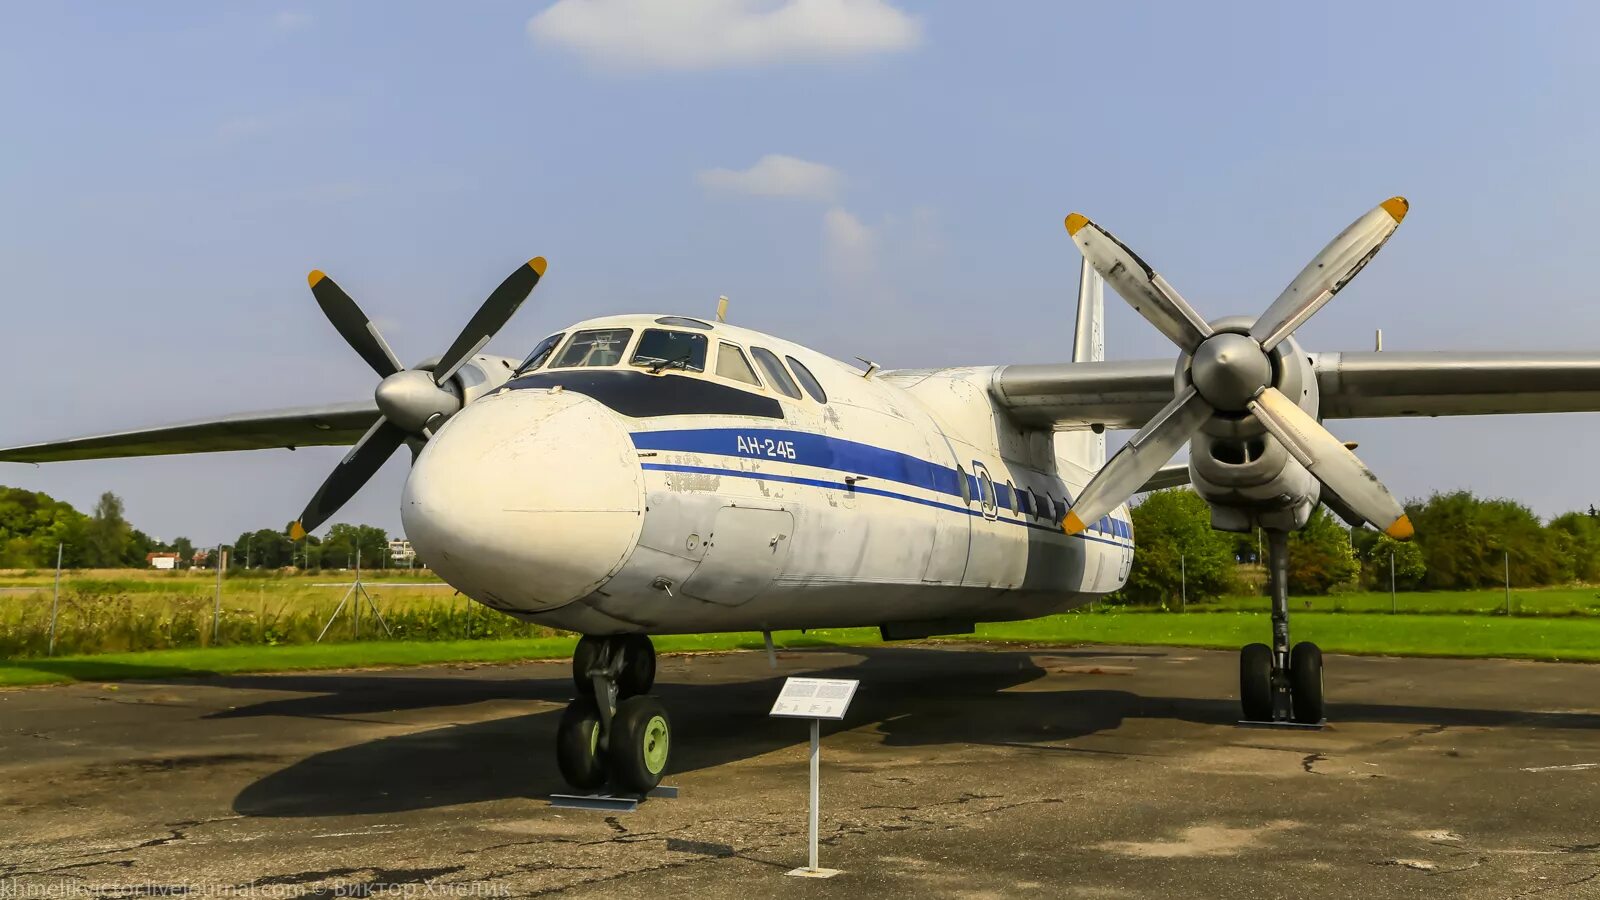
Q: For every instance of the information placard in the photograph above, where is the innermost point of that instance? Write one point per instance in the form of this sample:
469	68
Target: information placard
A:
814	698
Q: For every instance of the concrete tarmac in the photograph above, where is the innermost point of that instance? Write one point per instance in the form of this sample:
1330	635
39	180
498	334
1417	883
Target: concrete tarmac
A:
960	772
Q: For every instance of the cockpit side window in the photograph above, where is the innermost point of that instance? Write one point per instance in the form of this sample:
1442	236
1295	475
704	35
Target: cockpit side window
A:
540	354
660	350
594	347
777	375
808	380
732	364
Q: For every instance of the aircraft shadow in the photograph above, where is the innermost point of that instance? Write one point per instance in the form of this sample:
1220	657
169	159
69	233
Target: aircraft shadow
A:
917	697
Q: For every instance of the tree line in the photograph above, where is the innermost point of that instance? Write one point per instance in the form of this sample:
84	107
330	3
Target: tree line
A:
1462	542
34	524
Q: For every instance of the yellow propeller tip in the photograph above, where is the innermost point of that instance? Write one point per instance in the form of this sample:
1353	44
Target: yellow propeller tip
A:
297	532
315	277
1401	530
1397	207
1075	222
537	264
1072	524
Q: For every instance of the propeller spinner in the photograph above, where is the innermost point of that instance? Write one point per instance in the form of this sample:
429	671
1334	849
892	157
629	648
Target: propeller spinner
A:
1232	373
412	402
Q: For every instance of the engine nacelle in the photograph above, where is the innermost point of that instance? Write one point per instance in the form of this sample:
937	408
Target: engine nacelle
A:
1248	477
480	376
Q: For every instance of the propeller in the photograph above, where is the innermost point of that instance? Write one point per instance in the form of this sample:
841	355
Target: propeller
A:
412	402
1232	373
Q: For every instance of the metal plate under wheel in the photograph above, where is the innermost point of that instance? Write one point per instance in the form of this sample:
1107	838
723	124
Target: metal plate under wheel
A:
1295	726
611	802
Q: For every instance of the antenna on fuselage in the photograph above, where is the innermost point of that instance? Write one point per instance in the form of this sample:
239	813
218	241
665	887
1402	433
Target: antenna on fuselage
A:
722	308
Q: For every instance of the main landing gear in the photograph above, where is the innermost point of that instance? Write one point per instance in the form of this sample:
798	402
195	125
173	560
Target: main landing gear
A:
613	732
1279	684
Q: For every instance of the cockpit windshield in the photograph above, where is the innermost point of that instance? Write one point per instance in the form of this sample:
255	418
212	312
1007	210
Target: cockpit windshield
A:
660	349
594	347
540	354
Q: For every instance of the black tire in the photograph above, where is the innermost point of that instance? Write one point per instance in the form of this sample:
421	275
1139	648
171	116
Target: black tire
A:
578	745
1305	682
584	656
1255	682
638	666
640	745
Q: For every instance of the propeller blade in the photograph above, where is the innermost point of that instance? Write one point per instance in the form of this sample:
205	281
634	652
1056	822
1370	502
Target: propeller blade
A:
1331	462
1148	293
490	318
1328	272
1138	460
353	324
364	459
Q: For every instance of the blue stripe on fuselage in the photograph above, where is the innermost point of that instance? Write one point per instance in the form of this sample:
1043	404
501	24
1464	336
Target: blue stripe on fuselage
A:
823	452
862	489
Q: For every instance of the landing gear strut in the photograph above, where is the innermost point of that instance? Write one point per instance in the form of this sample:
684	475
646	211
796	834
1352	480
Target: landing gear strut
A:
613	731
1281	684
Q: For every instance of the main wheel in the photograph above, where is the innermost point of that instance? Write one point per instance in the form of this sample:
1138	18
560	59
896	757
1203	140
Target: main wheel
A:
578	745
638	665
1305	682
1255	682
640	744
584	656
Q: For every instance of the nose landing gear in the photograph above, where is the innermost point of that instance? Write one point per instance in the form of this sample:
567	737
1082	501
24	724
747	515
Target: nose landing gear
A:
1280	684
612	731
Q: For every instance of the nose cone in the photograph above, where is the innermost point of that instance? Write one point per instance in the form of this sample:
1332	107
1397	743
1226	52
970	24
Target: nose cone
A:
526	500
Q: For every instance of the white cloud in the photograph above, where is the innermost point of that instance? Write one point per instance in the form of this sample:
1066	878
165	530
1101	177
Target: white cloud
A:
709	34
289	20
776	175
849	248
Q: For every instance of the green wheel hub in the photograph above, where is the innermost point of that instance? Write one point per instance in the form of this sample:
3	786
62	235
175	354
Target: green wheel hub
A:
657	740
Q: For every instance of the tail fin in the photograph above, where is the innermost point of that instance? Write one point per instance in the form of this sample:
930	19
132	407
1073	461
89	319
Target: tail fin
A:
1089	345
1089	338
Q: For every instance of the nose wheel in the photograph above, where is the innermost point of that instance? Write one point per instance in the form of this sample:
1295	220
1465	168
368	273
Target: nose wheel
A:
1280	684
613	733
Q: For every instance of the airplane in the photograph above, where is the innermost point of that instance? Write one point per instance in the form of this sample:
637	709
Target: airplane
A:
652	474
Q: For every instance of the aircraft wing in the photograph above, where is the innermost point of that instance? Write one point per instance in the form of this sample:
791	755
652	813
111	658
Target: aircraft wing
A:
1175	475
340	423
1353	386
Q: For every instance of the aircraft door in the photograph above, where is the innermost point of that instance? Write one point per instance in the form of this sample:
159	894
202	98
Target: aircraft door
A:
746	549
952	530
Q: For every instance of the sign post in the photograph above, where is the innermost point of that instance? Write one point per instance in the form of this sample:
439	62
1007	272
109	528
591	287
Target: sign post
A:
815	699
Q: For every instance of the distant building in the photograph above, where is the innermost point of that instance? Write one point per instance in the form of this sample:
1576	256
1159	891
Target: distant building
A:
162	560
401	552
202	558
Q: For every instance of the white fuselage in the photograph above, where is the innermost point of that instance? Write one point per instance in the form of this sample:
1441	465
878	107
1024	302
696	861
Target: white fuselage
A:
608	498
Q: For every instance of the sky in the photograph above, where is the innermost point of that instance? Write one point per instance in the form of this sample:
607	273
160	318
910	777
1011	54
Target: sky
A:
872	178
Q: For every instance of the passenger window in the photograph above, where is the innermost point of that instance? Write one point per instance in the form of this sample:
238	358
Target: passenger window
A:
1047	508
1024	502
595	347
986	496
1011	490
966	489
659	350
731	363
807	380
777	375
539	354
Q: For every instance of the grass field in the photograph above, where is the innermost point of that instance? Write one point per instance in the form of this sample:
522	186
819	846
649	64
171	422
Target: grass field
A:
119	610
1562	638
123	623
1554	601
